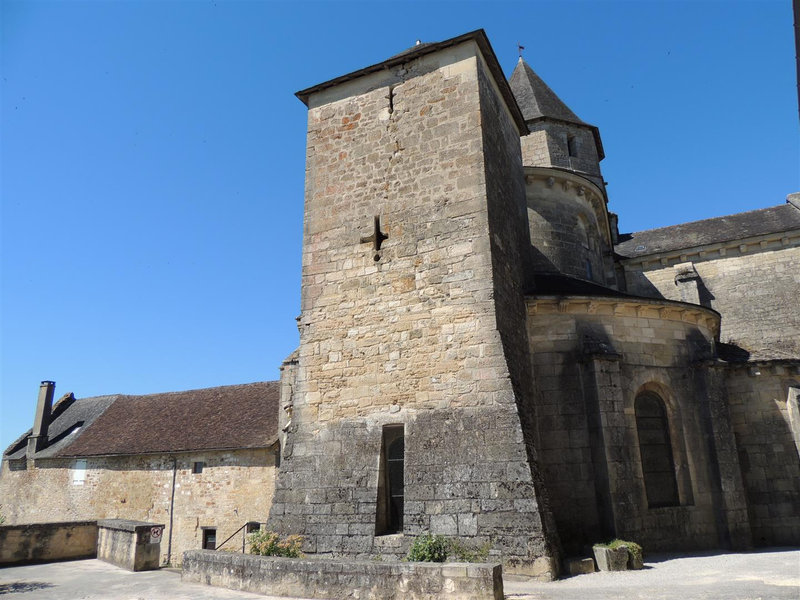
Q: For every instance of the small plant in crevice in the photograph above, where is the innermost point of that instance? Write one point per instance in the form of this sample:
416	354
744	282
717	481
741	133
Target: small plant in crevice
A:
463	552
428	548
437	548
269	543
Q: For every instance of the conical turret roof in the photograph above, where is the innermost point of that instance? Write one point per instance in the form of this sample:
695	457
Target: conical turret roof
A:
537	101
535	97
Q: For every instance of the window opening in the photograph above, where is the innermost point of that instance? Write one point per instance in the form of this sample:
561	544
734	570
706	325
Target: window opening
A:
391	481
209	538
197	467
572	145
655	447
79	472
589	274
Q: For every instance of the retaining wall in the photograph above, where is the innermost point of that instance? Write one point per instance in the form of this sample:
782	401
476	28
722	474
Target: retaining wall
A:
324	578
47	542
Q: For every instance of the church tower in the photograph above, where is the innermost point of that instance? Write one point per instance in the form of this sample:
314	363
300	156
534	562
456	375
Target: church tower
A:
411	393
570	227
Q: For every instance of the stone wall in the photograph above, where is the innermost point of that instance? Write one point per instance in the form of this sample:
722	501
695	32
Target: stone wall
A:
759	397
46	542
568	226
592	356
760	314
235	487
546	146
344	579
408	334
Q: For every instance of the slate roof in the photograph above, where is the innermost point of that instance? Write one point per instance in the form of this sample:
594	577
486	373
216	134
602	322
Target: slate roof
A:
775	219
537	101
535	97
558	284
227	417
69	421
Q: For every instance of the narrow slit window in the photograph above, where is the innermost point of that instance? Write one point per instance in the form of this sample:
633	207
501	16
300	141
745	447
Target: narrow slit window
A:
572	145
655	447
391	481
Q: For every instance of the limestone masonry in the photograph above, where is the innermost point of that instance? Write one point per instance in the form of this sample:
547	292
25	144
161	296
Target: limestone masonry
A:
483	355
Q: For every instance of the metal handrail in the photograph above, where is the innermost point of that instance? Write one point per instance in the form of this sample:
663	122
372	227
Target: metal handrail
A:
244	536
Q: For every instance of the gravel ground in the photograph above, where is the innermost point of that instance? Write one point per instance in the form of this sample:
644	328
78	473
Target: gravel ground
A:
772	574
767	575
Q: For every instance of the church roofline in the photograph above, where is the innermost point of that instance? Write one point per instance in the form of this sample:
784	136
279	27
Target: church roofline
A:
478	36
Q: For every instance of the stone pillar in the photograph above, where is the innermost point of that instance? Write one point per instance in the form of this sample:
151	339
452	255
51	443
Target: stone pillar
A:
793	408
611	443
727	486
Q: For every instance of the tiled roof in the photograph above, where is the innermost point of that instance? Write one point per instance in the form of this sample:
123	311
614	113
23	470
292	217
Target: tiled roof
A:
774	219
227	417
69	421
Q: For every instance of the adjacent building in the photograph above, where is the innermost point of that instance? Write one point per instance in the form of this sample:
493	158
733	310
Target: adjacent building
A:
202	462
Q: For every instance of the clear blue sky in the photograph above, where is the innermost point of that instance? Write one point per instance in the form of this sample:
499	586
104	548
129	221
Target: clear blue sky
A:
153	158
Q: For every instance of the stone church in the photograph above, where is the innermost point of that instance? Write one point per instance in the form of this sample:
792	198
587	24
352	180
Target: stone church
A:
484	356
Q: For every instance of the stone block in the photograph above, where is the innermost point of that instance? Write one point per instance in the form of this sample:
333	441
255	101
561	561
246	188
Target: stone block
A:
611	559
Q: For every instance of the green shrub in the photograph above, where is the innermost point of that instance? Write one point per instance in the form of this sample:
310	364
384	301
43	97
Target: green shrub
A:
269	543
437	548
428	548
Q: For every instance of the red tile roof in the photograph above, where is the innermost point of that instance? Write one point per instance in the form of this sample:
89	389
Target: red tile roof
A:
228	417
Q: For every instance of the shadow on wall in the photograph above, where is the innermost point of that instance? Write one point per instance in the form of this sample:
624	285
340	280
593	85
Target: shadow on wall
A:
699	348
637	284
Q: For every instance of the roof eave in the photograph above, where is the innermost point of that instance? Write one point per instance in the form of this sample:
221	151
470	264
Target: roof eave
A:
478	36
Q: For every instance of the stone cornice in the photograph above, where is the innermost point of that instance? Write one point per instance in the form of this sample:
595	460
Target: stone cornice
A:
741	247
579	185
665	310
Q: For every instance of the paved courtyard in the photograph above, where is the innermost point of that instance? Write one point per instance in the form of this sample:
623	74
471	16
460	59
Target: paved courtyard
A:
766	575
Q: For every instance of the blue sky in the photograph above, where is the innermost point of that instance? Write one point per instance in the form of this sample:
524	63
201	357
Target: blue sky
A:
153	158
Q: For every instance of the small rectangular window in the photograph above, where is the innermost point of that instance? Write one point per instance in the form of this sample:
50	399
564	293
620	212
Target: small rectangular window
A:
198	466
209	538
79	472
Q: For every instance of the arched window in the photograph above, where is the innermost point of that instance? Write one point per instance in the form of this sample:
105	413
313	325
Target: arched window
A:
655	448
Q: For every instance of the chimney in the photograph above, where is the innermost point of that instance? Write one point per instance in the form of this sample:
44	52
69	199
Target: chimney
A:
41	421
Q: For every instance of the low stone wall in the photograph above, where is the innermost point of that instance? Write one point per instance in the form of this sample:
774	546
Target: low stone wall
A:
326	578
46	542
132	545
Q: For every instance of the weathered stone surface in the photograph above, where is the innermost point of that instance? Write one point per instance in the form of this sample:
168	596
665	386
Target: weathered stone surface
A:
611	559
45	542
132	545
320	578
428	331
235	487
